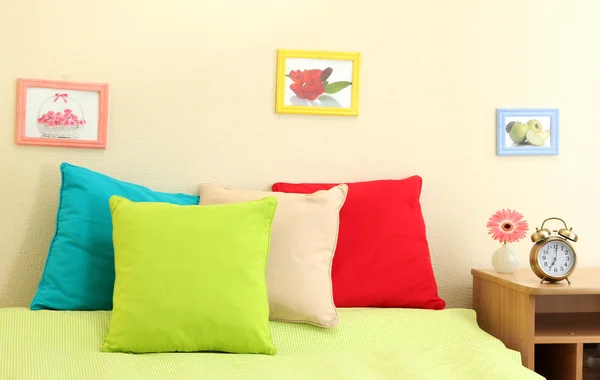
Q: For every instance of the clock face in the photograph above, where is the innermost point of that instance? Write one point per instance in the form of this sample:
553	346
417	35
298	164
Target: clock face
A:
556	258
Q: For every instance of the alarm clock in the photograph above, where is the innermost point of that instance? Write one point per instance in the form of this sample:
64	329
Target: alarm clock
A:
552	257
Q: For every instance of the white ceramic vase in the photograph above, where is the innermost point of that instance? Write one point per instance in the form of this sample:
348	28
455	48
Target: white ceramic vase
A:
505	259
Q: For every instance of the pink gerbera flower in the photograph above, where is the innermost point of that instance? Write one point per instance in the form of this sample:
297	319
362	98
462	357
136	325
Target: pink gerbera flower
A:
507	226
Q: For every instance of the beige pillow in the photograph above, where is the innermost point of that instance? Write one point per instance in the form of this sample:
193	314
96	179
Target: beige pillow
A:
303	240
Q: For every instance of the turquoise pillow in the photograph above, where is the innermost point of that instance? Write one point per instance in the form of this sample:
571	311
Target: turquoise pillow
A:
191	278
80	270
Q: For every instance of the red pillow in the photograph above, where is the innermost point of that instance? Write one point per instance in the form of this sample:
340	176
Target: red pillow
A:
382	256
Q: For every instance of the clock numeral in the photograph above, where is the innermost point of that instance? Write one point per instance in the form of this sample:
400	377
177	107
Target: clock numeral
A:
556	269
561	269
562	248
545	263
567	258
566	264
543	257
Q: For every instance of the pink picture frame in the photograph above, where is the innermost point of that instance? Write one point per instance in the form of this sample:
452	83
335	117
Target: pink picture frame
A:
61	113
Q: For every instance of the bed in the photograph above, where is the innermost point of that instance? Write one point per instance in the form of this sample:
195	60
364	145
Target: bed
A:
367	344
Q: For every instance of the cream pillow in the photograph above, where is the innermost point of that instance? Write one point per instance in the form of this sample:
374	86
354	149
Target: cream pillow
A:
303	241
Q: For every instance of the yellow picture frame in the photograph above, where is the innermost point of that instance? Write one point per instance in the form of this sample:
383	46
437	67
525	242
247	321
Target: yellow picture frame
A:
317	82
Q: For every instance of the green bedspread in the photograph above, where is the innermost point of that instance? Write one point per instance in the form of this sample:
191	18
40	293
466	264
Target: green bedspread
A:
367	344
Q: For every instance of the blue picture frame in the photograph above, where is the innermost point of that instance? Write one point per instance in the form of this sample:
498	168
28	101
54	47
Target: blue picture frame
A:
509	145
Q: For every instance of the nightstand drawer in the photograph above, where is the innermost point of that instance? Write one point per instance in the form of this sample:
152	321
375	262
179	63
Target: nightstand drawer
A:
567	319
586	303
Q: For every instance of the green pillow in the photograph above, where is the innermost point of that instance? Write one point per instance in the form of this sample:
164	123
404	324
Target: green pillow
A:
190	278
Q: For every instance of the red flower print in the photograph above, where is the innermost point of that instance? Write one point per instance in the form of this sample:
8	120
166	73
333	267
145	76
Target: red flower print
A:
307	84
296	76
57	119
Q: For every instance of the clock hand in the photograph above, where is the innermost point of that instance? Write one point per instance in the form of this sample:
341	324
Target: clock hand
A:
553	261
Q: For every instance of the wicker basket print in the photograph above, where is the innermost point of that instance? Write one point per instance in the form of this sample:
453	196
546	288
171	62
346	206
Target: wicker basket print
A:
61	116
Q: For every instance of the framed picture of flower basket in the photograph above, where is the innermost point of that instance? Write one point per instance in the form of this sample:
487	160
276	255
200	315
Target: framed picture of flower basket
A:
317	82
58	113
527	131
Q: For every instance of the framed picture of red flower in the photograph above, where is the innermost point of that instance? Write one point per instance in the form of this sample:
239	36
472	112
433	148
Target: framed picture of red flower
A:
317	82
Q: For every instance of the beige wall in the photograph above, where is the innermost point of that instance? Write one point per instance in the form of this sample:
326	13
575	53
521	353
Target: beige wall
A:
192	100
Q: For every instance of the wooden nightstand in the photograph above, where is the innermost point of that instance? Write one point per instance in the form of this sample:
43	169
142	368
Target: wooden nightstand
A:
547	323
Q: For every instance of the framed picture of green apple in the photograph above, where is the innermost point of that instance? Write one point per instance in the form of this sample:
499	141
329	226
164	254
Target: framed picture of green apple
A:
527	131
